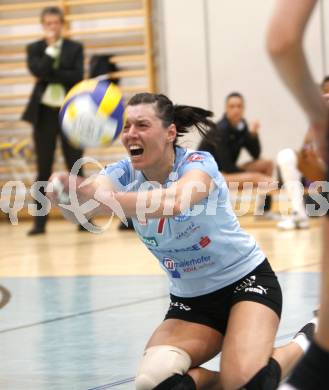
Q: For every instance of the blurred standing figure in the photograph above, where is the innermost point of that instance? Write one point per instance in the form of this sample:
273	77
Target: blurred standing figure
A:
57	64
285	45
297	168
225	142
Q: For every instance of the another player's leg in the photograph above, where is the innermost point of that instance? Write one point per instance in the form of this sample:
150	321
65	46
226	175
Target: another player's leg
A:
312	372
287	162
261	165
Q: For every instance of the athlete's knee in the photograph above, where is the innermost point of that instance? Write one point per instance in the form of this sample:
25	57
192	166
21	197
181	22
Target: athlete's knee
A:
286	156
234	375
160	363
268	378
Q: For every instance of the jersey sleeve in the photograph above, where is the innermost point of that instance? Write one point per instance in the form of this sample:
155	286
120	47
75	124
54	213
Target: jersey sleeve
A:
119	173
202	161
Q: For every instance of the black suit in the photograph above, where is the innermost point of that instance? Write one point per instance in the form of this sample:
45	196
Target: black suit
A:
225	143
46	127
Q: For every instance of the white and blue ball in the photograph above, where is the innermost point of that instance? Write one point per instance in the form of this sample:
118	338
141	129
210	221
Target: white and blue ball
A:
93	113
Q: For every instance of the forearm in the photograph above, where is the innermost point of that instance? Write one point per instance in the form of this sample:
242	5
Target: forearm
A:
155	203
143	204
99	196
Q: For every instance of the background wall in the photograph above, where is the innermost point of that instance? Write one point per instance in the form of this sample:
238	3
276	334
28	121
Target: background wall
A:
209	48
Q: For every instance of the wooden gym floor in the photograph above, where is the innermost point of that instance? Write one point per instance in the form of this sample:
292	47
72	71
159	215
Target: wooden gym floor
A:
76	309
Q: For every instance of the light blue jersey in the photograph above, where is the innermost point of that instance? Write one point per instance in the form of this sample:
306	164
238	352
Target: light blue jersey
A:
203	249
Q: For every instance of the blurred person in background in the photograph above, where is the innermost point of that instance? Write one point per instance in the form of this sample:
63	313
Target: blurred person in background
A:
57	64
226	141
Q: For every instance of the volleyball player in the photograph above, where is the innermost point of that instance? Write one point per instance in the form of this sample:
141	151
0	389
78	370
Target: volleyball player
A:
285	44
224	295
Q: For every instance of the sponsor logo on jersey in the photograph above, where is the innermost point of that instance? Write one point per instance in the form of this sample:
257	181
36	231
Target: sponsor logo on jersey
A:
195	157
170	265
149	241
192	227
196	263
182	217
203	242
176	267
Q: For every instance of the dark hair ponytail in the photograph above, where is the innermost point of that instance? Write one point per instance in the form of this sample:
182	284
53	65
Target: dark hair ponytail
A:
187	116
184	117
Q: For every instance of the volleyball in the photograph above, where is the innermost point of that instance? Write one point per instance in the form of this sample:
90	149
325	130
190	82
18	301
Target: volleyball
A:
93	113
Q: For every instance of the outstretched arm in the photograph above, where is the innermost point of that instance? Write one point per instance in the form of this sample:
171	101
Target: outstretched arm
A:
189	190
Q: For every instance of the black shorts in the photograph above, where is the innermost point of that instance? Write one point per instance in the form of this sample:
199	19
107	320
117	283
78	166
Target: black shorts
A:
261	285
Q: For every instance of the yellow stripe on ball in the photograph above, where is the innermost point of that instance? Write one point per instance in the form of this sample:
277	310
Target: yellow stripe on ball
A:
105	139
71	111
82	87
110	100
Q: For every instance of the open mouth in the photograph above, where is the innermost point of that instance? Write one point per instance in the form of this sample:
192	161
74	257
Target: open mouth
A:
136	150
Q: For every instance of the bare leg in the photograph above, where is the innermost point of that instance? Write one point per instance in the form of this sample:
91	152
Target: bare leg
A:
247	177
261	165
287	356
206	379
247	352
248	343
247	347
202	343
322	335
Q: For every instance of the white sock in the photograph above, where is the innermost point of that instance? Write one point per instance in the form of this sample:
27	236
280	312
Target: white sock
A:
301	338
286	386
287	161
302	341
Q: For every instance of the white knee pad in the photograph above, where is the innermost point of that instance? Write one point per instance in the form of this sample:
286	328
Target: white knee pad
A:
159	363
286	156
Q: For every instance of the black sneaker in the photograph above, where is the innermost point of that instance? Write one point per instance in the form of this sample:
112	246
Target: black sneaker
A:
308	330
36	230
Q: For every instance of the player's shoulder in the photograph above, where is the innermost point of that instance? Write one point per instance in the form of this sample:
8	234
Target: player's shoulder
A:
188	156
199	160
124	163
120	171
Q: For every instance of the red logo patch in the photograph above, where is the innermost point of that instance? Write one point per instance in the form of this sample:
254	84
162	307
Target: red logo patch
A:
195	157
